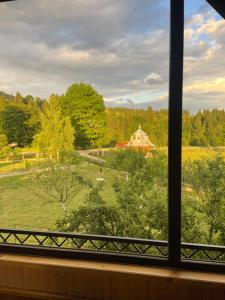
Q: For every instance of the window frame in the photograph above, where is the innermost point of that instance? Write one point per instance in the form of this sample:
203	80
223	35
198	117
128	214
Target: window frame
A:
174	259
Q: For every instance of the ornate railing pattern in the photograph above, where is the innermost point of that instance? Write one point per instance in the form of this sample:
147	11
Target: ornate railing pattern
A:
109	244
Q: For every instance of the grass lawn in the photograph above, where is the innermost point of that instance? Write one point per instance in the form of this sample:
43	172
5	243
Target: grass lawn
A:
22	165
22	208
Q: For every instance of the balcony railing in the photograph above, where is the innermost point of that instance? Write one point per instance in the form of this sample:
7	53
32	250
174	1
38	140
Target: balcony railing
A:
73	243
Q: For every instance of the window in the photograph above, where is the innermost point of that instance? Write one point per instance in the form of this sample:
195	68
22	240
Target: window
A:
138	248
203	196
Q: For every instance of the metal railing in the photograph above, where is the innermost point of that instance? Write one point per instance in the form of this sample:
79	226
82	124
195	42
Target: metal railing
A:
28	239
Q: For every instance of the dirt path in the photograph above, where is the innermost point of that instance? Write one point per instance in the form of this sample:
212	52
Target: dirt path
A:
86	154
19	173
83	153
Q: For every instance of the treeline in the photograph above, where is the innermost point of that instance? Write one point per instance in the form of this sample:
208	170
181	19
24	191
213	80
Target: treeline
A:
205	128
77	116
21	119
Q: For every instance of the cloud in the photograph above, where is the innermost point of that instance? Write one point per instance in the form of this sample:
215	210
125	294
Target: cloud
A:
119	101
204	66
148	80
214	86
121	47
106	43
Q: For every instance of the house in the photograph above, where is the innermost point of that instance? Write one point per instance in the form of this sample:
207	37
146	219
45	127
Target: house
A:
140	141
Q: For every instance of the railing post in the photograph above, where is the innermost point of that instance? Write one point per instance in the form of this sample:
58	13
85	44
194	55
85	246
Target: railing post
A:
175	130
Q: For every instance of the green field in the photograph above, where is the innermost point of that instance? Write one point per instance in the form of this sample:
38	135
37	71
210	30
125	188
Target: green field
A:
22	208
195	153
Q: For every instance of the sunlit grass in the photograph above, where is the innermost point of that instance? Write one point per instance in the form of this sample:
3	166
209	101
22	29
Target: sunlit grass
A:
17	166
21	207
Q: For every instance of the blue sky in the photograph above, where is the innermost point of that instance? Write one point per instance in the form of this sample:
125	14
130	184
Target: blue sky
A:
121	47
194	6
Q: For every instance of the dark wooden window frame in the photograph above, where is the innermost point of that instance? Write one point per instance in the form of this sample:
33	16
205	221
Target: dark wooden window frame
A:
173	259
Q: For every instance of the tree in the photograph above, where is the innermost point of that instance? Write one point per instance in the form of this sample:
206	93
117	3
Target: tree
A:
187	128
207	177
199	137
18	98
94	216
128	160
57	134
139	210
86	109
193	221
13	121
59	182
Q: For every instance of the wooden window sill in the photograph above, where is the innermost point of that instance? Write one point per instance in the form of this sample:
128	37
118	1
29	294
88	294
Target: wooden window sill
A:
54	278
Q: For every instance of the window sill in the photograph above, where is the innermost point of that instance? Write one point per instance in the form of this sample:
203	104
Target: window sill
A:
63	278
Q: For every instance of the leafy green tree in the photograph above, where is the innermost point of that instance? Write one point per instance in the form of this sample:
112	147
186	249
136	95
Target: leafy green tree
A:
57	134
122	122
138	211
207	177
13	121
127	160
94	216
204	128
86	109
193	221
187	133
59	182
154	169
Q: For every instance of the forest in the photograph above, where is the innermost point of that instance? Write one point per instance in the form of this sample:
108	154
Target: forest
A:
94	125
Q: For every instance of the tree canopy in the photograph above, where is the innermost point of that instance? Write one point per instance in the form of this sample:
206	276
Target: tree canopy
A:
86	108
205	128
57	134
15	125
19	118
97	126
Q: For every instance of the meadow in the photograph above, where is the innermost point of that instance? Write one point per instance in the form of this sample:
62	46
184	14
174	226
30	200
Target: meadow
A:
195	153
22	207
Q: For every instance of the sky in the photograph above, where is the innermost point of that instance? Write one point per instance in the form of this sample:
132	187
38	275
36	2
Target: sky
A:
120	47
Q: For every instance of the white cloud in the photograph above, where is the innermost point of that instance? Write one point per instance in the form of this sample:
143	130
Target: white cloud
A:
147	81
213	86
121	47
204	62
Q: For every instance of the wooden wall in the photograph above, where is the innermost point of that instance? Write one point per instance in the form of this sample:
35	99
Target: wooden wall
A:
43	278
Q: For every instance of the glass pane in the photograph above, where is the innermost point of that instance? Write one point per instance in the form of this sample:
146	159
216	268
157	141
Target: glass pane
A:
203	214
84	113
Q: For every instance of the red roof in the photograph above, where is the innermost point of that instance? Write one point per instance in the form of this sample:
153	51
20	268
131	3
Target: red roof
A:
121	145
